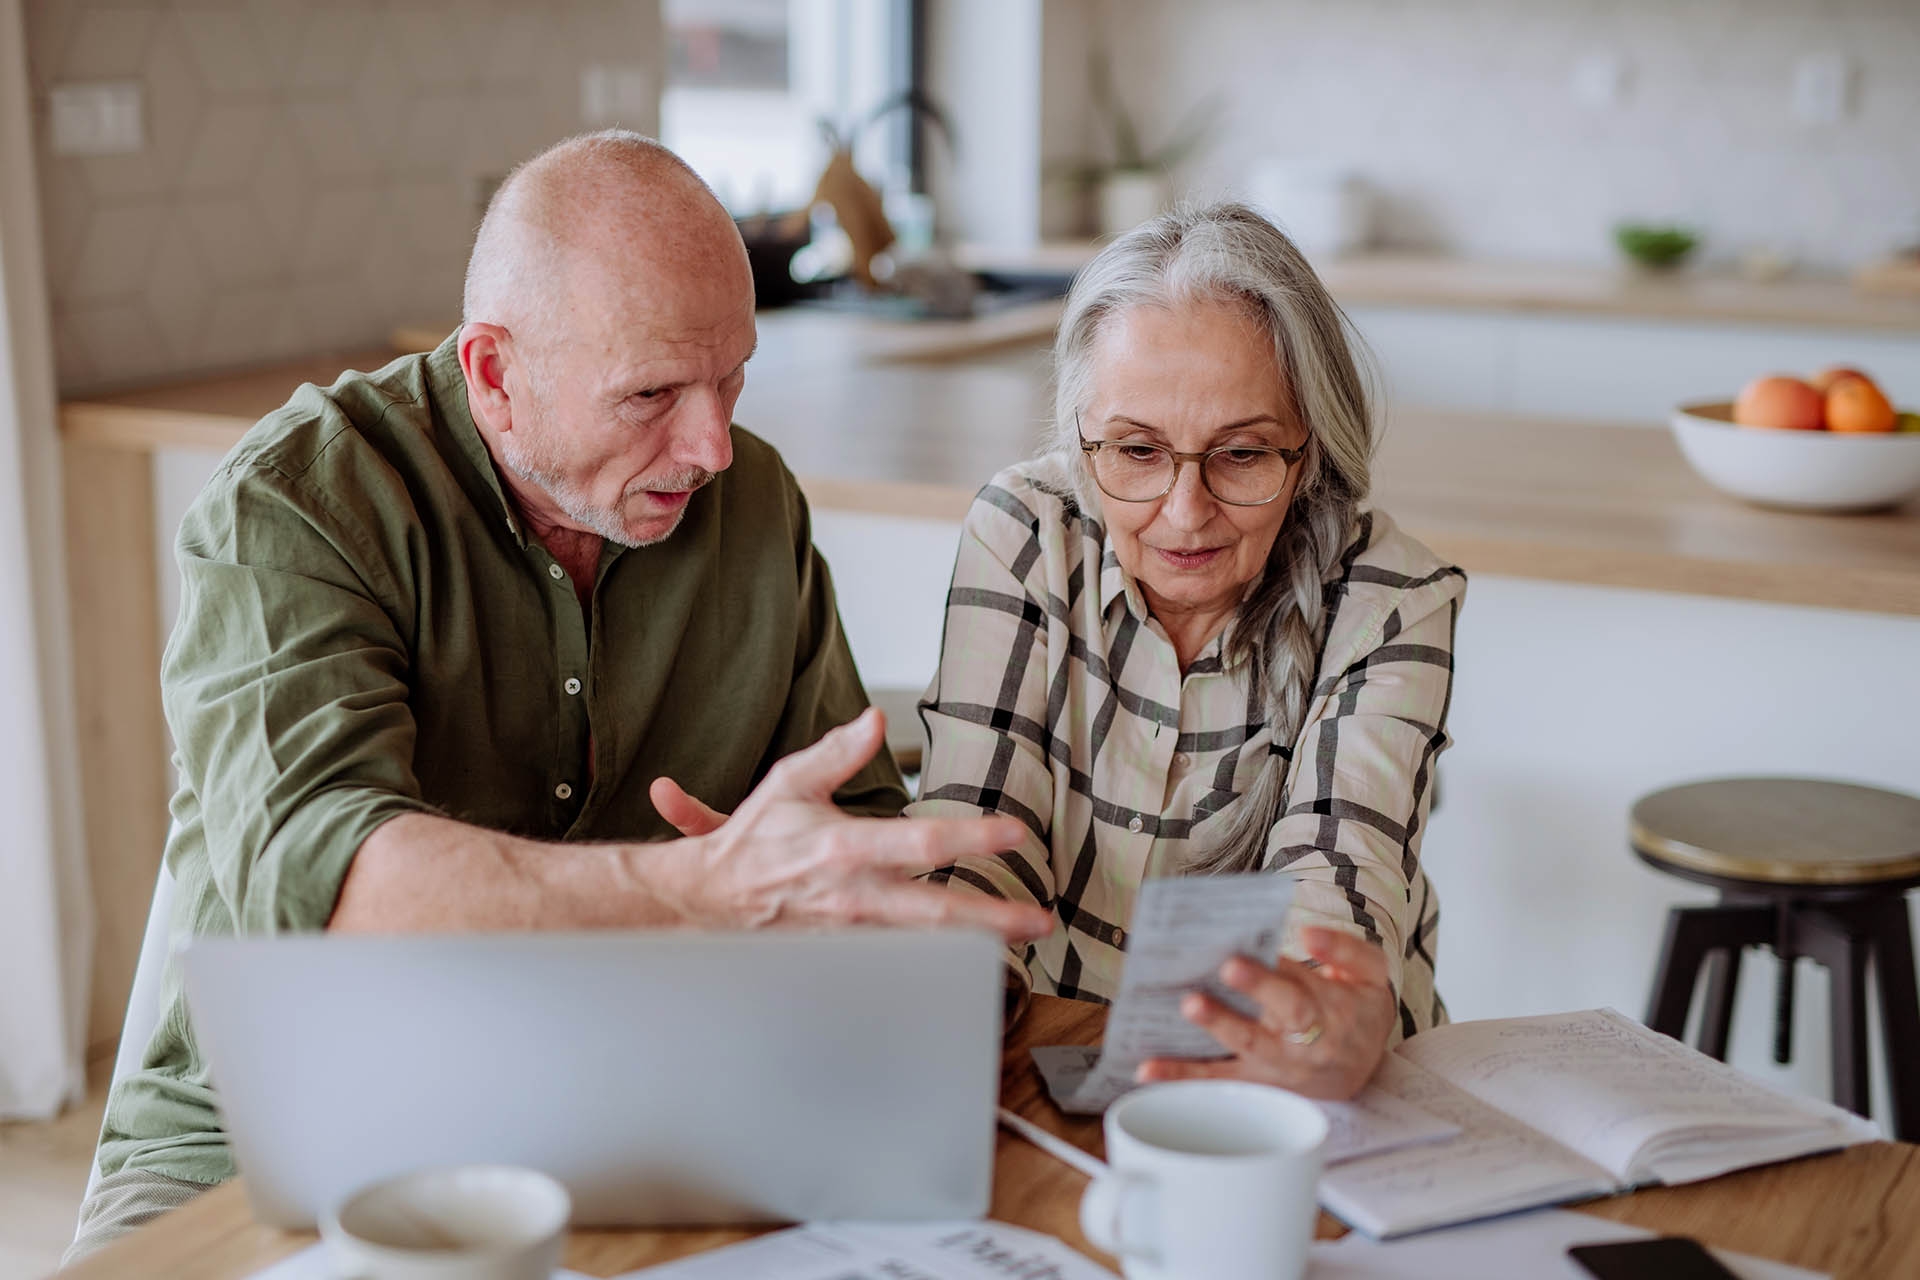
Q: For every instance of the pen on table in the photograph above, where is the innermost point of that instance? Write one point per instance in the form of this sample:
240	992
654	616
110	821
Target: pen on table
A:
1060	1150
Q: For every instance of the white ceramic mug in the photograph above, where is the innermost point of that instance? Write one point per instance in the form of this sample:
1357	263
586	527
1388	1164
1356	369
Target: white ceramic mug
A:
1208	1180
462	1222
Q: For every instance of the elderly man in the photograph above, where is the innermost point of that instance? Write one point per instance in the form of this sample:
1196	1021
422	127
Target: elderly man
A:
460	641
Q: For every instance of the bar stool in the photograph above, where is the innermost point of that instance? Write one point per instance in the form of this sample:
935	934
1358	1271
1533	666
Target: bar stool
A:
1808	868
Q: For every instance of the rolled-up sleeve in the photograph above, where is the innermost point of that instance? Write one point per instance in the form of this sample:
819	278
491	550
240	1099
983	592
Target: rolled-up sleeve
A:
986	715
286	688
1362	785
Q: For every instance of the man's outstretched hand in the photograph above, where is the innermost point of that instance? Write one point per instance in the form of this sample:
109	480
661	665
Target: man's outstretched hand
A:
789	855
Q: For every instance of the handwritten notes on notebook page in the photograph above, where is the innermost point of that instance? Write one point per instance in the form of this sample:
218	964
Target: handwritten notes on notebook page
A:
1563	1107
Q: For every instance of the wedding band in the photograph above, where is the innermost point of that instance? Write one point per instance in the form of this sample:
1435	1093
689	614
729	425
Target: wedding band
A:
1305	1037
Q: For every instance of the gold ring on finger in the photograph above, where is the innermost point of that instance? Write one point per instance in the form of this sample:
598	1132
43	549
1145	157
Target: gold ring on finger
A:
1306	1035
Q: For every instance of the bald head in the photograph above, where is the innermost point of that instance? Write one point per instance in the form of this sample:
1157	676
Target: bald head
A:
606	208
609	319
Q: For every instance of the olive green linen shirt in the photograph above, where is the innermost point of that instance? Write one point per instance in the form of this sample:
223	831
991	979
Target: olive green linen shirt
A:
367	629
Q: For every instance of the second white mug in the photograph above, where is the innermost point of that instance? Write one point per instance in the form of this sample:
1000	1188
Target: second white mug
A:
1209	1180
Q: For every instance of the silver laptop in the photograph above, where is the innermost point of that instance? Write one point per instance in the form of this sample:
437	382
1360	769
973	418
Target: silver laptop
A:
666	1078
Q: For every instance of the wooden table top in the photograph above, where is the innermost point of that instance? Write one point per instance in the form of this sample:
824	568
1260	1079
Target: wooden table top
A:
1853	1213
1530	498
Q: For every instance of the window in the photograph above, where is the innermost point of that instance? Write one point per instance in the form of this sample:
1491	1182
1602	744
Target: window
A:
749	80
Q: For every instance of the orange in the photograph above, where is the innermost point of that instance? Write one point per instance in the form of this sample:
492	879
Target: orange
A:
1855	404
1779	401
1824	380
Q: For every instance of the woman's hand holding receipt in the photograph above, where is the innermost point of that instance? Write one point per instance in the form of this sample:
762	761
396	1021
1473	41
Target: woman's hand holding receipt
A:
1321	1028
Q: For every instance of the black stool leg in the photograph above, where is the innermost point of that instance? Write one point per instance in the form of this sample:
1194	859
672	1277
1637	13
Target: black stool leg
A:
1693	933
1899	1013
1850	1027
1723	979
1680	957
1831	939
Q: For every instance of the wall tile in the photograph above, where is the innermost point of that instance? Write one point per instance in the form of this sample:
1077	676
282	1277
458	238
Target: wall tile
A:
70	363
64	202
335	142
337	228
115	251
430	133
437	43
335	314
309	174
1437	105
173	104
283	186
382	96
236	246
178	289
244	327
226	50
331	44
49	25
228	140
118	340
107	44
277	26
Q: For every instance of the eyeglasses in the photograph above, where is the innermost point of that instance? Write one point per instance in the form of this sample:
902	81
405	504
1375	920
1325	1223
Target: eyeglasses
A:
1238	475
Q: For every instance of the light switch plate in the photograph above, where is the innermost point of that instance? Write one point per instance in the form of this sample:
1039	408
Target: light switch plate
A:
104	118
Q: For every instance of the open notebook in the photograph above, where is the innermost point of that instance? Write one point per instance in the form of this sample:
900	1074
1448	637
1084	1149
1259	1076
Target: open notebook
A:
1566	1107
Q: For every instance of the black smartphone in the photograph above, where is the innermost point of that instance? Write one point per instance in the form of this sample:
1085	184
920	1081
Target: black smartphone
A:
1662	1258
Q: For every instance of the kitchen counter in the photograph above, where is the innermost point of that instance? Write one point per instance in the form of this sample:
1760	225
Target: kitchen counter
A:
1523	497
1700	296
1397	280
1392	279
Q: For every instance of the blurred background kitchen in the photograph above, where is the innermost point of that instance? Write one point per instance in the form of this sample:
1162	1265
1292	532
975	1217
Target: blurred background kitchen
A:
195	190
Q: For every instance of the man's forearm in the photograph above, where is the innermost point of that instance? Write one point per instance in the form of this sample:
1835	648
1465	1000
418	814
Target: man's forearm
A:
421	873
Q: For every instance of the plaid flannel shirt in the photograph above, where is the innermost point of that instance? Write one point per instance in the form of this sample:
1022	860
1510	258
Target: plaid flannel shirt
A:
1059	701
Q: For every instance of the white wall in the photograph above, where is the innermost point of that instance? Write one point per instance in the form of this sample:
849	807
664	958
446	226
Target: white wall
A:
983	67
1463	115
46	919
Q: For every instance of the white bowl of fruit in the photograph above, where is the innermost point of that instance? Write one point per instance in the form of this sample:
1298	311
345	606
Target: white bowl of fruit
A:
1831	443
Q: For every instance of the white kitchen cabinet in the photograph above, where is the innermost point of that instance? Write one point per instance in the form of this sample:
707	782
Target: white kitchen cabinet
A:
1605	369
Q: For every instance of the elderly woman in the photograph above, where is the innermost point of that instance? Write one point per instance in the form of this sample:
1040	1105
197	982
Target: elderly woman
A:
1177	644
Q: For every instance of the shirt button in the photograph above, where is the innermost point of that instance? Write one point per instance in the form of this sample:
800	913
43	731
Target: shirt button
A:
563	791
572	685
1135	825
1182	759
555	572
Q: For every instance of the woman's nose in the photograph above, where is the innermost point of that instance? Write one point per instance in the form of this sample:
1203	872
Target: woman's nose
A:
1188	504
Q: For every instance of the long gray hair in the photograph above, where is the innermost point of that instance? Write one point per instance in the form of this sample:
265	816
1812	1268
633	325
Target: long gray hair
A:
1227	252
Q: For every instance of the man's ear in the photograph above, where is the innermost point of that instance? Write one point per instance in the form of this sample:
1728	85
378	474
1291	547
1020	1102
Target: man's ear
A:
485	350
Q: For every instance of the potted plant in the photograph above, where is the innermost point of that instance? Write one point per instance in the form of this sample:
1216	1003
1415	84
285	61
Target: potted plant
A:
1133	185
